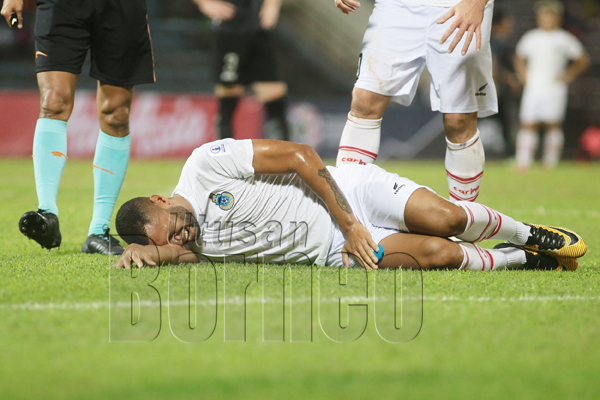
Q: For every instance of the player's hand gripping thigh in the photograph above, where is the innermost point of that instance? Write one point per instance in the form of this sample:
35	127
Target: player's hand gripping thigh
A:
11	7
347	6
360	244
468	15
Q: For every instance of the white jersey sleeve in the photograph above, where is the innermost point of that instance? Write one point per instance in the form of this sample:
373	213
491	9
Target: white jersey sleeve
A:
572	46
214	164
225	158
524	45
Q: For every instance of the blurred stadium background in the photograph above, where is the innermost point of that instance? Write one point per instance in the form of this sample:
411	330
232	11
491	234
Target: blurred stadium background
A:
318	49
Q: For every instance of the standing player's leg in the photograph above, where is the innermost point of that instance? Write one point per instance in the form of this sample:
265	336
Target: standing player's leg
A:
274	96
111	159
230	50
229	96
527	144
57	94
554	139
391	60
462	88
266	84
362	133
465	158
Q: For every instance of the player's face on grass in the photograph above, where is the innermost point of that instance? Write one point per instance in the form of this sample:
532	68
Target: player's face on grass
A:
173	225
548	20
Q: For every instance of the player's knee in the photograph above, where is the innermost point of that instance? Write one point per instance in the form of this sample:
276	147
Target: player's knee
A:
115	115
460	127
438	254
456	221
56	103
368	105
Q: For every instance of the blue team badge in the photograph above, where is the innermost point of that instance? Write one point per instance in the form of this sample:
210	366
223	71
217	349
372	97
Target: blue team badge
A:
223	200
215	149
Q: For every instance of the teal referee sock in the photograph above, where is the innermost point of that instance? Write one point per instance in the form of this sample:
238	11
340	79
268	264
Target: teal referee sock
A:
49	159
110	166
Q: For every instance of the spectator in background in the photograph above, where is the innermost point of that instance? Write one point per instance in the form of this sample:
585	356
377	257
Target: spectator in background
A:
243	55
507	83
542	64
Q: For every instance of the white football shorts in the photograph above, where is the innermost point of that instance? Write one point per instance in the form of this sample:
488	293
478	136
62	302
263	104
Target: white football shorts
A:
541	107
402	37
378	199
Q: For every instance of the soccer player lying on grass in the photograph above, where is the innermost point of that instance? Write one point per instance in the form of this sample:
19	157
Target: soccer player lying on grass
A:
277	200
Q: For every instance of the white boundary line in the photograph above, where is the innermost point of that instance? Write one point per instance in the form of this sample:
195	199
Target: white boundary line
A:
237	300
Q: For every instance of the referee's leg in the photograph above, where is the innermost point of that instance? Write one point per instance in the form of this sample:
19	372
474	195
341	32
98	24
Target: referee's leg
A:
113	104
57	94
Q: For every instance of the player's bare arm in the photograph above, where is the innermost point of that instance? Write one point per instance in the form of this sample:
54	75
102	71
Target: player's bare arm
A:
216	9
347	6
520	64
468	15
11	7
151	255
269	14
273	157
576	68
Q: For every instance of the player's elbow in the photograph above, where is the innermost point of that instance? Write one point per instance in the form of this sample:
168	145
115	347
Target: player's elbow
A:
303	154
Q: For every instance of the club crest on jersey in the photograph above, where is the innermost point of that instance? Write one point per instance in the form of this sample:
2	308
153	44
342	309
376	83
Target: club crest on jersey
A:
223	200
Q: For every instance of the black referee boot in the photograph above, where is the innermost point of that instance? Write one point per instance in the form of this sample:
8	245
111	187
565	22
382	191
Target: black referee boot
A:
105	244
41	226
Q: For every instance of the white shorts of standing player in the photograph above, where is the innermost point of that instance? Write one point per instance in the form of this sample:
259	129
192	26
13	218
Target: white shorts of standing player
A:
401	39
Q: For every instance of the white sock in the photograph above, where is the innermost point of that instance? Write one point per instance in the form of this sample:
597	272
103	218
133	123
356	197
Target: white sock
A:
360	141
484	223
515	257
527	143
553	146
477	259
464	168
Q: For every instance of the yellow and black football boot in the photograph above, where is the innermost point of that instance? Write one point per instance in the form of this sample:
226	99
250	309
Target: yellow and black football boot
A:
556	241
539	261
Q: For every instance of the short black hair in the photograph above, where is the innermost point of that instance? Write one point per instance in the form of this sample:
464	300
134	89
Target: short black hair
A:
131	220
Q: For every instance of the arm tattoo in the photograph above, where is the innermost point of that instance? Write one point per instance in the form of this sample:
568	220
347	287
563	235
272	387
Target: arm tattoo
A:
339	196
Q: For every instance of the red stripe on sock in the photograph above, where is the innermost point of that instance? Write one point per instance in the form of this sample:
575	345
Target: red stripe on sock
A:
360	151
471	199
464	180
499	218
480	238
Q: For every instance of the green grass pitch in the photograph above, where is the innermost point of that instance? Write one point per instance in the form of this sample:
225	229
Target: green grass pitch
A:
502	335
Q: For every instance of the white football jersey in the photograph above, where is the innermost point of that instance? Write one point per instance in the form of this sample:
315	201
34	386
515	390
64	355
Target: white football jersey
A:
547	54
276	216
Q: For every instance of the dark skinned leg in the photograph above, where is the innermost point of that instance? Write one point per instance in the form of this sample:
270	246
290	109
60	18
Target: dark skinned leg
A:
402	249
430	214
113	104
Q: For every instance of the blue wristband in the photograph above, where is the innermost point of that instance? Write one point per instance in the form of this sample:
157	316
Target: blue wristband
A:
379	254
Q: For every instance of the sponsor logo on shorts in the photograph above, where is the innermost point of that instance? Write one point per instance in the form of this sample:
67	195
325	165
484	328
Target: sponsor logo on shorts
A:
480	91
39	53
223	200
